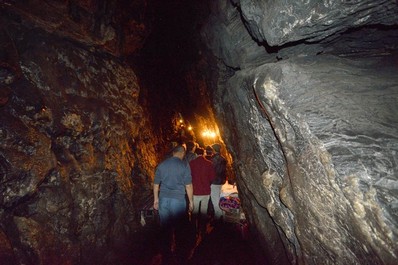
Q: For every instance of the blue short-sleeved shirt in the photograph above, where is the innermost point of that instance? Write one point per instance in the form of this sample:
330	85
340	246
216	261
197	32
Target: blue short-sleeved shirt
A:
172	175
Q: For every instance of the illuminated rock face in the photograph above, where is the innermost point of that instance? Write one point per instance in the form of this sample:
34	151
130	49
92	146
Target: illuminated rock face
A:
305	97
312	127
76	150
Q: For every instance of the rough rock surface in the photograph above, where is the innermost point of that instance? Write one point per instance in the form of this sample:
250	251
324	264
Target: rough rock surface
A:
76	150
312	127
118	27
324	152
305	93
282	35
281	22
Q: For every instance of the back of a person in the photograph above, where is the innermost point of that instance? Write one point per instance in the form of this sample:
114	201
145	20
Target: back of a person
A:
209	152
190	154
171	186
172	170
203	173
220	166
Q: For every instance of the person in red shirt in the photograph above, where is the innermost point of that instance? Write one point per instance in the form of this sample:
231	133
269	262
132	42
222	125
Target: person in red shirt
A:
203	173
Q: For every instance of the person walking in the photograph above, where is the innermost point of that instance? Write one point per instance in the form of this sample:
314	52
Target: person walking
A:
209	152
191	149
172	183
203	174
220	166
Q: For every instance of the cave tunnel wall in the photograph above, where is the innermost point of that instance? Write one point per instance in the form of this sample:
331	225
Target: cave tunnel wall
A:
84	121
306	97
77	148
302	93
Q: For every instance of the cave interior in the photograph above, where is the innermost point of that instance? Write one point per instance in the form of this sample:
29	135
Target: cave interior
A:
302	96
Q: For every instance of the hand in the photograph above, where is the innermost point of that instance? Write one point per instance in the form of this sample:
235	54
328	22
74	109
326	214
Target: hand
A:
190	206
156	205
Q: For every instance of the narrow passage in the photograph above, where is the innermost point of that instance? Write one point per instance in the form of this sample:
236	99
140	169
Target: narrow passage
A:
223	243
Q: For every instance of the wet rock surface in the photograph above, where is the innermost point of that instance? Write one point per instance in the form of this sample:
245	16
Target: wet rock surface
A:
283	22
304	93
76	150
308	114
247	34
334	141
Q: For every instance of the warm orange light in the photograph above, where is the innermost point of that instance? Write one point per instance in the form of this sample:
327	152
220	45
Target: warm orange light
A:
190	128
208	134
181	121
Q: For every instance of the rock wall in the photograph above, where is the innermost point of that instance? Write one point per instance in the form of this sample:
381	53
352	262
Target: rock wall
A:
307	100
76	148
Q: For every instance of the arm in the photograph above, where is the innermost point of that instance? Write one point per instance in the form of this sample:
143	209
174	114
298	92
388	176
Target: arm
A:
189	189
156	196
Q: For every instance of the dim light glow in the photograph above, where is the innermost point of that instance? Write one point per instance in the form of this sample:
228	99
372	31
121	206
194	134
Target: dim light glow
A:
190	128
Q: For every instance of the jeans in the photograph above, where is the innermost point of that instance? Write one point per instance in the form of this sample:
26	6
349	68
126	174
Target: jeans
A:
171	211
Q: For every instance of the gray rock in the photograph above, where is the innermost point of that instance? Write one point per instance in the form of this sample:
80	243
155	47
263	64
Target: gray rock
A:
281	22
321	157
313	136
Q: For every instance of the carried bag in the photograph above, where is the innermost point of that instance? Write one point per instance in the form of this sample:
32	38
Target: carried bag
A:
230	202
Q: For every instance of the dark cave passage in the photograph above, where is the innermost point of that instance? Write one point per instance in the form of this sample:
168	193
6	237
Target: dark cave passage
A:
301	95
170	69
174	77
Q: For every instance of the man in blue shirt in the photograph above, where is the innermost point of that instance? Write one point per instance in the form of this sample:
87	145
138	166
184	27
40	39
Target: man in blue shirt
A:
172	181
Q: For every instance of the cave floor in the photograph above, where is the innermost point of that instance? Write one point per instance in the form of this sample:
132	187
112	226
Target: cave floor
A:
221	243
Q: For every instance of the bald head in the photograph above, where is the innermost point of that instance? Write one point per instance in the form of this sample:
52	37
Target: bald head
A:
179	151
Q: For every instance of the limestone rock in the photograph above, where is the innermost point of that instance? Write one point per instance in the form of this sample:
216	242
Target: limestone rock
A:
229	39
281	22
321	159
252	33
311	124
120	28
76	151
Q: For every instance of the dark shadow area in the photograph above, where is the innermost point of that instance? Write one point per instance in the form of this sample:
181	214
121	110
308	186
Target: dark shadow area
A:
222	243
169	53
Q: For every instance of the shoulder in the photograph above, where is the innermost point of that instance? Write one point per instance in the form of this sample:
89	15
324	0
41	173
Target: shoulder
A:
208	160
170	162
194	161
220	157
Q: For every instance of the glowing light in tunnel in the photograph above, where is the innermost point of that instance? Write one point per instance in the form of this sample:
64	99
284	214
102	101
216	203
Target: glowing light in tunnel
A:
209	134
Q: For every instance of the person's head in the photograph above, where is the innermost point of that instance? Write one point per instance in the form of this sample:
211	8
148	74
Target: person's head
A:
216	148
171	146
209	150
191	146
200	151
179	151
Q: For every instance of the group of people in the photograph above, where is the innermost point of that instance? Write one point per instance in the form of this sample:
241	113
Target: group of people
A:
190	180
208	170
